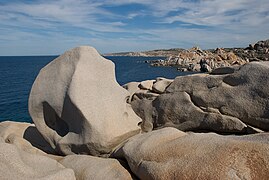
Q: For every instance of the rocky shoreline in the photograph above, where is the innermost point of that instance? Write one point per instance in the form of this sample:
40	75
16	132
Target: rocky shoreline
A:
86	126
198	60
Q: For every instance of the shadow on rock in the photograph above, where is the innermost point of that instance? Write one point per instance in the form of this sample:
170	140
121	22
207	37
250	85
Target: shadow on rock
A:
34	137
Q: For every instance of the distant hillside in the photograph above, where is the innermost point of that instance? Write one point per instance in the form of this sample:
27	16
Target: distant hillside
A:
254	52
152	53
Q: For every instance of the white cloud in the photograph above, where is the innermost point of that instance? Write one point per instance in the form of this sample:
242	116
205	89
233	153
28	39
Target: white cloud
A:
54	26
76	13
223	12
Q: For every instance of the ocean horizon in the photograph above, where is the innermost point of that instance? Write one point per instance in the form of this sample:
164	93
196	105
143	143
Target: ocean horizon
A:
19	72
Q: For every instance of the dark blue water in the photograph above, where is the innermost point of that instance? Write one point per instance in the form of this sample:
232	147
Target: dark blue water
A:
17	75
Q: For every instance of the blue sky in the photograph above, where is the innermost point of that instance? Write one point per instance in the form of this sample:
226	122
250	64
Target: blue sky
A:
48	27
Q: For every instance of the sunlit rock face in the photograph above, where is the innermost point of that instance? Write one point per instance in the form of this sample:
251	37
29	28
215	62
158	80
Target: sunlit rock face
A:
78	106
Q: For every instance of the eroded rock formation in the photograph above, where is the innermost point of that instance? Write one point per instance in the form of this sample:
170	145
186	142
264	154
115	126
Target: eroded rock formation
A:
78	106
232	102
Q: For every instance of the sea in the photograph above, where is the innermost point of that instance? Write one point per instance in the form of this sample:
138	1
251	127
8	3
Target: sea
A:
17	74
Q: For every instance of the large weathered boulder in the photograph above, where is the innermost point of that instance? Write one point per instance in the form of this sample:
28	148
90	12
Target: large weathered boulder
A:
172	154
228	103
77	105
178	110
89	167
18	164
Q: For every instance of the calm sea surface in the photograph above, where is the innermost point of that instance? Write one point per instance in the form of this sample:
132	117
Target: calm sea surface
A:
17	75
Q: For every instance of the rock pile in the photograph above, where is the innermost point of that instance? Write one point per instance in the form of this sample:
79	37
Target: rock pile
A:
255	52
196	59
85	127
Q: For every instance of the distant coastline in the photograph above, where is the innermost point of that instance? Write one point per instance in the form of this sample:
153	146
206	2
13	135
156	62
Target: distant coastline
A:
256	50
151	53
196	59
